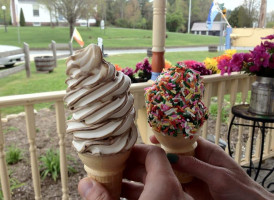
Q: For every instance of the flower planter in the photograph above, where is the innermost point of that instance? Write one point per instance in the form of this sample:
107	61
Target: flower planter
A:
212	48
262	96
44	63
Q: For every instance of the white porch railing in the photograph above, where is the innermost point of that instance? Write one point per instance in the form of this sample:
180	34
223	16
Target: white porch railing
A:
216	86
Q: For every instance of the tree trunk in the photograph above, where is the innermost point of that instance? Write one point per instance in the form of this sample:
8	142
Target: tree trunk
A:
71	28
262	14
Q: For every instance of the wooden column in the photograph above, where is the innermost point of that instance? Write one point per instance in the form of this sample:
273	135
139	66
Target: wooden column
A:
158	37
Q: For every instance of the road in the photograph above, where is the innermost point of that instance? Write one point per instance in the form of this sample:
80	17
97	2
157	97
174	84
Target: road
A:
128	51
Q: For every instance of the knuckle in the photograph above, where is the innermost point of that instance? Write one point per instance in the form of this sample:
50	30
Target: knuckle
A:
157	150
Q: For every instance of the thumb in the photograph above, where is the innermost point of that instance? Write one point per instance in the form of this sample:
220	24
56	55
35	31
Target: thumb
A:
90	189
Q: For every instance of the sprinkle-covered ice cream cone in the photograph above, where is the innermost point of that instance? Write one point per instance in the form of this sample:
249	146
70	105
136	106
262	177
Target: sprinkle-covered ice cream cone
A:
176	112
102	121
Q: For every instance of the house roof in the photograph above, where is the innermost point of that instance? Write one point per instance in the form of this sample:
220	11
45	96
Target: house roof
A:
201	26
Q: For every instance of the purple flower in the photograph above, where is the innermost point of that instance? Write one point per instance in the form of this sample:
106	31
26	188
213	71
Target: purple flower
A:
237	62
269	37
225	66
254	68
247	57
144	66
197	66
268	45
128	71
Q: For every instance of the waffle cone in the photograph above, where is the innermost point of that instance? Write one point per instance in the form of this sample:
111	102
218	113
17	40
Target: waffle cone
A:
181	146
107	170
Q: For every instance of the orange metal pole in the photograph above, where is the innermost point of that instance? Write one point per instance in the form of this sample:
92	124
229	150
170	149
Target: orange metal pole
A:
159	36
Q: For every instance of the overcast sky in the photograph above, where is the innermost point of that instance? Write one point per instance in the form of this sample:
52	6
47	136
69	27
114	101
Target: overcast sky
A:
231	4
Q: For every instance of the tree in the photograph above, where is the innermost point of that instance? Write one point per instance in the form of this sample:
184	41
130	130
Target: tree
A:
173	21
71	10
22	18
89	11
51	6
252	8
262	18
239	18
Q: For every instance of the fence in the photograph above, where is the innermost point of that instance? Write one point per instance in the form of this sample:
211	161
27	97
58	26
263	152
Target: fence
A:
55	46
216	86
26	66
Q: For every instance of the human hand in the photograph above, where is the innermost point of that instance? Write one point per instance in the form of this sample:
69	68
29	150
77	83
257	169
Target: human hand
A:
218	176
149	177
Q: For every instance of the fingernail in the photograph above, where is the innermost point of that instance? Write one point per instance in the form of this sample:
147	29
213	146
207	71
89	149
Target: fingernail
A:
172	158
85	187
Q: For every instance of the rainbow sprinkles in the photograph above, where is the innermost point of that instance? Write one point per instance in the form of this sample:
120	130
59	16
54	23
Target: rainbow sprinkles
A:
174	103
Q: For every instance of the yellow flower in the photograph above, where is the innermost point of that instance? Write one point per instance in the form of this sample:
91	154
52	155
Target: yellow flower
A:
230	52
212	64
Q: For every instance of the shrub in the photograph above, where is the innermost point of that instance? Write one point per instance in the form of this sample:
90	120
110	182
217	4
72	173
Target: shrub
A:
14	184
13	155
22	18
174	21
51	165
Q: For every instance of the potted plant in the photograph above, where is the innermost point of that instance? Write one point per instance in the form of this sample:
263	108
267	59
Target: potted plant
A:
258	62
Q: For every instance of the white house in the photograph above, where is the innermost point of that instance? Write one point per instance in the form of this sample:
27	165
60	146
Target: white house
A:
37	14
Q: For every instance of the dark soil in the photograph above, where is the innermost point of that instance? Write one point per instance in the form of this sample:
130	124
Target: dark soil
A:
47	138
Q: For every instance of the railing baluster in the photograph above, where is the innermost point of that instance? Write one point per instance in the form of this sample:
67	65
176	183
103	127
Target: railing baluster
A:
272	139
233	95
248	143
258	144
221	91
238	153
5	183
30	122
267	140
207	101
61	130
245	83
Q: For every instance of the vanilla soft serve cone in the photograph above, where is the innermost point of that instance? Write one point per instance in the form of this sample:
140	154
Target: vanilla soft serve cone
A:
102	121
176	112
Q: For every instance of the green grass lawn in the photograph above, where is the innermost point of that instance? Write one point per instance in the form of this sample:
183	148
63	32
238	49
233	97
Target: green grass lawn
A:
41	37
55	81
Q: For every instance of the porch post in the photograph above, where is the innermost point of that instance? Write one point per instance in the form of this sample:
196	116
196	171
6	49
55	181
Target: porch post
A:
158	37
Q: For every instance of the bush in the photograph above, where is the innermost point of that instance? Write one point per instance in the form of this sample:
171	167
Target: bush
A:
22	18
51	165
174	21
14	184
13	155
121	23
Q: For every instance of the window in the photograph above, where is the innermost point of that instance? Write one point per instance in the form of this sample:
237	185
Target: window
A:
36	10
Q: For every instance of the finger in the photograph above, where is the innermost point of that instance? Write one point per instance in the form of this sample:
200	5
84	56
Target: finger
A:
153	139
92	190
160	176
196	167
135	172
131	190
139	153
213	154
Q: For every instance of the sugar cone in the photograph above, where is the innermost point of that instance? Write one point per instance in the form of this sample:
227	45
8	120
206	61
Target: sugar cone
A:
107	170
181	146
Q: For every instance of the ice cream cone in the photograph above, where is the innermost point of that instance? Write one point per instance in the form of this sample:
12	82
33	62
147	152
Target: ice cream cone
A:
107	170
178	145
